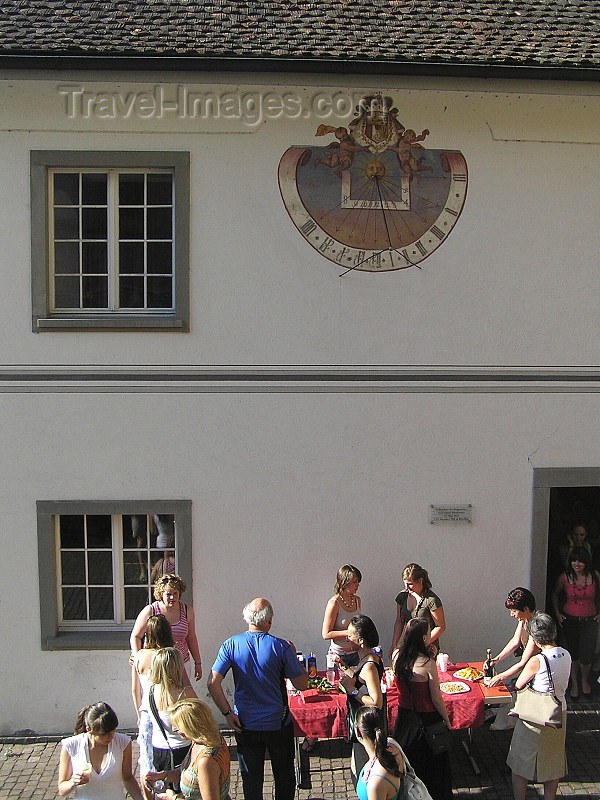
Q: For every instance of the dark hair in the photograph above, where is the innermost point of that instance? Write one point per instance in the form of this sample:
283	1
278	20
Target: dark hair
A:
370	723
98	717
411	646
542	629
159	633
414	572
365	629
580	554
520	599
344	575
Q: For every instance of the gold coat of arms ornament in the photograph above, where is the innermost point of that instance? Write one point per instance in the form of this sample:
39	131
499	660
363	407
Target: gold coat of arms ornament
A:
374	198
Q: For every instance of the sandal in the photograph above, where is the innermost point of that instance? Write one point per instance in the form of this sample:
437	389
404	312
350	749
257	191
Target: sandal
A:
309	744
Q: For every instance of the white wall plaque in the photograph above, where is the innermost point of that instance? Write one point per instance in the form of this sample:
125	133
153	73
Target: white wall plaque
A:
462	512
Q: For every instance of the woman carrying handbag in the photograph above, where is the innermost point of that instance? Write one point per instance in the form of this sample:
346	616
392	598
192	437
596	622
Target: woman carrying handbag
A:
537	749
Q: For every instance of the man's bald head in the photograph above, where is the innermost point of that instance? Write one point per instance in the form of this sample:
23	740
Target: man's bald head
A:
258	613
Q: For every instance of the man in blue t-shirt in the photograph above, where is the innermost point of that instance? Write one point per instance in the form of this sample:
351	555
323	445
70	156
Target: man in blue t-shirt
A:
260	718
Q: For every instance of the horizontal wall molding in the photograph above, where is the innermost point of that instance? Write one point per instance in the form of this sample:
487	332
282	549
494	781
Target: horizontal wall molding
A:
407	379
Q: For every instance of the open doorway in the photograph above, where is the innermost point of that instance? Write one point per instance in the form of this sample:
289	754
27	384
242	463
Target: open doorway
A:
561	497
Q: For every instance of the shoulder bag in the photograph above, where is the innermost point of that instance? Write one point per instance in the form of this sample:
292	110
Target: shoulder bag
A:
539	708
411	786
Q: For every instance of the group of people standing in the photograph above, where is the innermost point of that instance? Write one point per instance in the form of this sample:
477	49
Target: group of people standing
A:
182	751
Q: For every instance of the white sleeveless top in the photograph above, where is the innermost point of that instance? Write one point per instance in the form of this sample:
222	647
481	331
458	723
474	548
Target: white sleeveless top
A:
106	785
560	667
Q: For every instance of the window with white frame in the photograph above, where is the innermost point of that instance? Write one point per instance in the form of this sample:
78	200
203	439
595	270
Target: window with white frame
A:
106	557
110	240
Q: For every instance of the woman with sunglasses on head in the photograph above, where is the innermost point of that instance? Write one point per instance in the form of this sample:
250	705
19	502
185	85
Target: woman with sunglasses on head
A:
167	592
204	774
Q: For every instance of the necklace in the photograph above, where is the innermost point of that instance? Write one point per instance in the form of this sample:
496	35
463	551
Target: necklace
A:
351	604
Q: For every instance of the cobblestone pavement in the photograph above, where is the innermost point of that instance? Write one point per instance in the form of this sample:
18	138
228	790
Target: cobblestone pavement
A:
29	768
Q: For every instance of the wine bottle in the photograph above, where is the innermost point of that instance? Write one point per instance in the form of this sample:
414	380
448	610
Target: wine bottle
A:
488	667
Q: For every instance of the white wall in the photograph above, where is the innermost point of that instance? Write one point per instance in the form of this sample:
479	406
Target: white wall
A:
290	480
285	489
514	283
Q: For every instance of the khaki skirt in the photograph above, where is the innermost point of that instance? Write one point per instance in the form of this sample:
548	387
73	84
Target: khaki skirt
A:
538	752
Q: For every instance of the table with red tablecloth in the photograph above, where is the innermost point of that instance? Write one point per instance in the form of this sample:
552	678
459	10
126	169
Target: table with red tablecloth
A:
325	717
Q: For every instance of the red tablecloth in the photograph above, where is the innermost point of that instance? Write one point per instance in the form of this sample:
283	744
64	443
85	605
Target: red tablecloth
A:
326	717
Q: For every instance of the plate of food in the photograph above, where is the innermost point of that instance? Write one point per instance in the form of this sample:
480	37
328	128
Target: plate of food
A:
469	674
454	687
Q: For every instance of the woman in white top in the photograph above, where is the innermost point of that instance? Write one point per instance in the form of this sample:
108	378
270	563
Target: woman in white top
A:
167	686
537	752
96	761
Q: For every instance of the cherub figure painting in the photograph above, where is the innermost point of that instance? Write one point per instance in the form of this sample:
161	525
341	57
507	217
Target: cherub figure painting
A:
409	163
340	153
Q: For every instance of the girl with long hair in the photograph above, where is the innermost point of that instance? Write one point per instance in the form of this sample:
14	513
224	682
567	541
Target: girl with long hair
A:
158	635
421	704
167	686
419	600
576	600
381	777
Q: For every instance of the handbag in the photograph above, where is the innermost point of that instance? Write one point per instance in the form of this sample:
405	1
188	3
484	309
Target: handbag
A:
411	786
438	737
539	708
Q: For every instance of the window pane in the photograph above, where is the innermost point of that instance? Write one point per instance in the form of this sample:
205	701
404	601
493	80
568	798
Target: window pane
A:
101	604
100	567
160	257
160	223
66	292
135	525
71	530
93	223
66	189
73	567
135	599
95	292
131	190
131	292
66	257
94	257
135	566
99	532
131	223
131	257
160	191
66	223
160	292
93	188
74	604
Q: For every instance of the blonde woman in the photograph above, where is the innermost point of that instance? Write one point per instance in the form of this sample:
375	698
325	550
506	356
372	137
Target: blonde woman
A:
167	592
158	635
204	774
167	686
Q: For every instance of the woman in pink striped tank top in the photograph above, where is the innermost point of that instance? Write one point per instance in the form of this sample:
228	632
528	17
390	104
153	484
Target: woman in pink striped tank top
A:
167	591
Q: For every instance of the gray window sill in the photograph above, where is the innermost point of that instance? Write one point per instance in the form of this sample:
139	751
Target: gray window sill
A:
87	640
116	322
